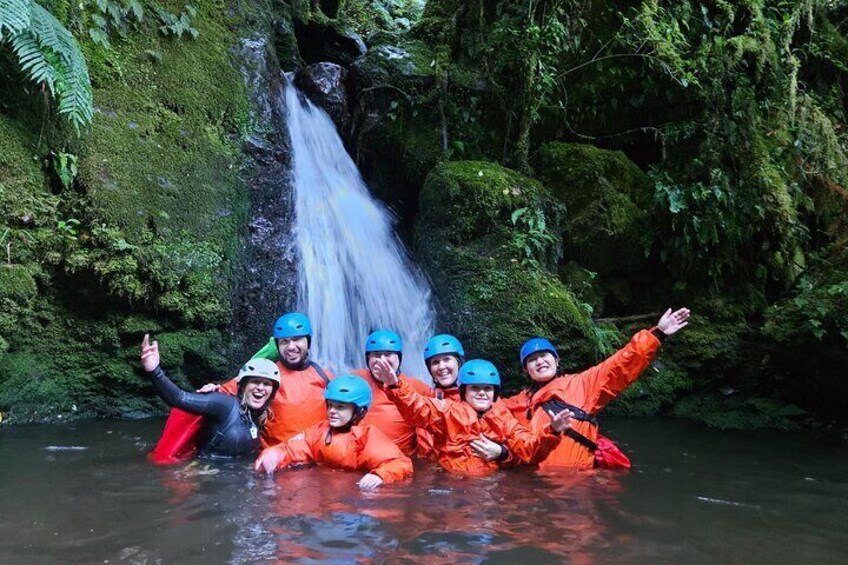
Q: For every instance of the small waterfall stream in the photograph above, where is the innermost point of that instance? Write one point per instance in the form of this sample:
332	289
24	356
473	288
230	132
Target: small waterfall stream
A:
354	273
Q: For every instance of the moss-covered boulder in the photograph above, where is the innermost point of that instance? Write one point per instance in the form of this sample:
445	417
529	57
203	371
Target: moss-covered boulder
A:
487	265
145	238
607	199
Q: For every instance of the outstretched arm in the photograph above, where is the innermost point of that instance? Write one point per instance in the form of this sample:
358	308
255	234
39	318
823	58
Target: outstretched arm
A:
298	449
214	406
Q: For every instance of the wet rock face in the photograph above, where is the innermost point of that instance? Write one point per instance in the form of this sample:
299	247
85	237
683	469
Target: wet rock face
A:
266	283
324	84
328	42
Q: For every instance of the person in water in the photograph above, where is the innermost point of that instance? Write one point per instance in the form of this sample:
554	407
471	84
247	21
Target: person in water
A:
456	424
583	394
231	423
342	440
387	346
443	356
299	401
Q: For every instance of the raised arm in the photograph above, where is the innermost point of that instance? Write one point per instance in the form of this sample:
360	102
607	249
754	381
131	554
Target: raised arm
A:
215	406
605	381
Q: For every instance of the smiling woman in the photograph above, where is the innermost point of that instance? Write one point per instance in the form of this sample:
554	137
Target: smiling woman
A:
231	425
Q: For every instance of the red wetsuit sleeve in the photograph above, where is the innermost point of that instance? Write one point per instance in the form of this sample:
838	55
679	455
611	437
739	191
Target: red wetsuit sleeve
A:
603	382
418	410
383	458
517	406
301	448
524	445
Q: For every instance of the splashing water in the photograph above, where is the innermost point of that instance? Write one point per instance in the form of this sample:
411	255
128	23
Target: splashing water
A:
354	273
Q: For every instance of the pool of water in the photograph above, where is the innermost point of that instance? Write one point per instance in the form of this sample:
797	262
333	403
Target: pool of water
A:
84	493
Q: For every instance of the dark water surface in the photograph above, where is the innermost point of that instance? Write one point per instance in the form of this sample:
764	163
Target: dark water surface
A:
694	496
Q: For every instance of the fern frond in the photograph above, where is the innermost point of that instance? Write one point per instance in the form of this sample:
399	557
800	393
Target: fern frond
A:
14	17
33	60
49	54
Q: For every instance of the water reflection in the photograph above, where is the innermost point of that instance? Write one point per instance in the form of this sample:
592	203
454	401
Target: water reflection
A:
106	504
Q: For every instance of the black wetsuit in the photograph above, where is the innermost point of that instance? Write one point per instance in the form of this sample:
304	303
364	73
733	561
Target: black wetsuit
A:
227	428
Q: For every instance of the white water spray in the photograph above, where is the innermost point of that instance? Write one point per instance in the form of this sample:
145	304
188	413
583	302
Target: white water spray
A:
354	274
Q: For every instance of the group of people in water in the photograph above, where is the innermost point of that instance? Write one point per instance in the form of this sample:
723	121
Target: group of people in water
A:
292	412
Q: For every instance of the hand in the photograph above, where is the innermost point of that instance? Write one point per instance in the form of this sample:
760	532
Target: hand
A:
486	449
562	421
209	387
268	460
671	322
384	373
369	481
149	354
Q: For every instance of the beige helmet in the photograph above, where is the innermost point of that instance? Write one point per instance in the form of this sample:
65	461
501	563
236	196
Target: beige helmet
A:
261	368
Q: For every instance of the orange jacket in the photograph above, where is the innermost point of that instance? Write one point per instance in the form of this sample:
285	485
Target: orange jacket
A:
384	415
590	390
455	424
298	404
423	438
363	448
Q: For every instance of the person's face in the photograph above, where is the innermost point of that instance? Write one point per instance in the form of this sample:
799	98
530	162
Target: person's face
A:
444	369
480	397
390	356
541	366
257	392
293	350
339	413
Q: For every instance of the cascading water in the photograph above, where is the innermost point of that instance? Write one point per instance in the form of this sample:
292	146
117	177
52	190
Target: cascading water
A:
354	273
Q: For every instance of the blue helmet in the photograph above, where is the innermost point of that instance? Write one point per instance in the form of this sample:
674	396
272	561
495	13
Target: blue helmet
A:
383	340
479	372
292	324
443	344
350	389
534	345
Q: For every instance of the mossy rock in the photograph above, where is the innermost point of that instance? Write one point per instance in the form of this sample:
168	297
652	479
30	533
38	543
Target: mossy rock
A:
490	299
163	207
607	197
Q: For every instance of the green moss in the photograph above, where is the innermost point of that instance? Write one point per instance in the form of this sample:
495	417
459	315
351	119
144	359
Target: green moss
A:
490	298
163	205
606	196
16	283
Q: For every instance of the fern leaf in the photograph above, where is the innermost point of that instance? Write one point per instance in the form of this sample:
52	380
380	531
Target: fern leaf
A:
14	17
33	61
49	54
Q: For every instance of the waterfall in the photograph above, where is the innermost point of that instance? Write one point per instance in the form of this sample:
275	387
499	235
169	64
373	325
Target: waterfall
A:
354	274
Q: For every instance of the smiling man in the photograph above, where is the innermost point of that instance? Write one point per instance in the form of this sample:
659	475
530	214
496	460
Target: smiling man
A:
299	402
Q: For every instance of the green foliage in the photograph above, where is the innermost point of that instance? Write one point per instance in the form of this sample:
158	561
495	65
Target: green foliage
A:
50	56
177	25
531	238
491	300
367	16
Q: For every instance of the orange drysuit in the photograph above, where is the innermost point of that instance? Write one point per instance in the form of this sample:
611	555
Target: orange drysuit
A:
298	404
362	448
455	424
384	415
590	390
423	437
